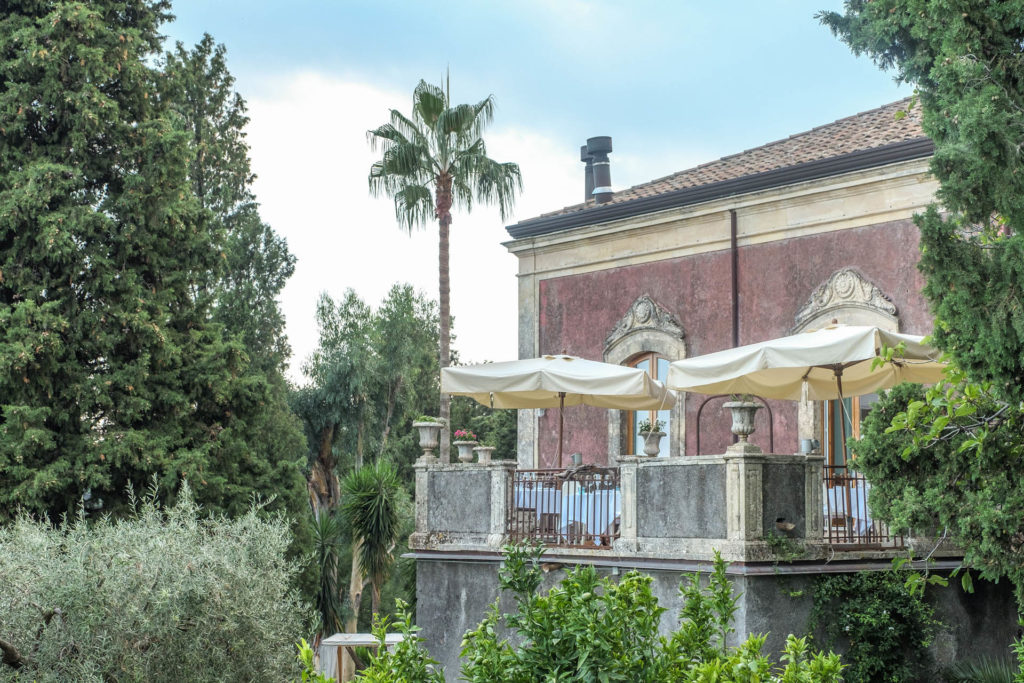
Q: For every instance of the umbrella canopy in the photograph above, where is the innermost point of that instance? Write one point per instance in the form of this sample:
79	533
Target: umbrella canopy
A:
832	362
553	381
556	382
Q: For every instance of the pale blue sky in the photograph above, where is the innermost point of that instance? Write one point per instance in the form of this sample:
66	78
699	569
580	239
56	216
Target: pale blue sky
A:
674	84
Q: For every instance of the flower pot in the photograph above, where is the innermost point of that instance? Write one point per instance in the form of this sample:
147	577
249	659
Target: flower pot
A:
483	454
430	437
742	417
652	442
465	450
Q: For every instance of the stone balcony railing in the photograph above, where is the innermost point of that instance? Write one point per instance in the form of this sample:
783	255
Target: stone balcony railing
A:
740	503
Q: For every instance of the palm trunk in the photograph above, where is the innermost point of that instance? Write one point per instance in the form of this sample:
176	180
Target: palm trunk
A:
347	667
375	595
444	219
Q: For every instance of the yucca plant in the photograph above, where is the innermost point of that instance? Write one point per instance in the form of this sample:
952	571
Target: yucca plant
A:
983	670
327	536
370	507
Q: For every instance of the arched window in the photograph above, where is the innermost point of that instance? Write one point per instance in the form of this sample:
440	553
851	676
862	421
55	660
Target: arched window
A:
656	366
647	336
851	299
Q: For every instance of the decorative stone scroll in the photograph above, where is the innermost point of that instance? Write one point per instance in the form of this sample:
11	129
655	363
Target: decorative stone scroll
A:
644	315
845	289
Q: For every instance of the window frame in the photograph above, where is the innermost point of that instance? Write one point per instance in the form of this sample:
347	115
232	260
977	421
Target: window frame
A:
631	445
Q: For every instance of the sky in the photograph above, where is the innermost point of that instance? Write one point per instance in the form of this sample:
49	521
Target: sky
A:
674	83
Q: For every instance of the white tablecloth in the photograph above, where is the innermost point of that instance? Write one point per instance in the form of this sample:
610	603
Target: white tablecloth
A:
597	510
835	504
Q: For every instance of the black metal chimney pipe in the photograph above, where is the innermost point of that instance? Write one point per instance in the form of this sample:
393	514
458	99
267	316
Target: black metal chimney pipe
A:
588	173
599	148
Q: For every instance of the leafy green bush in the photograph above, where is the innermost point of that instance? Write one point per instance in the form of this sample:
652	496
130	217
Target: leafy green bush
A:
407	661
885	627
309	672
592	628
161	595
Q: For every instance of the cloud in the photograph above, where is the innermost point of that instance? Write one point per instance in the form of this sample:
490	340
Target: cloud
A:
309	151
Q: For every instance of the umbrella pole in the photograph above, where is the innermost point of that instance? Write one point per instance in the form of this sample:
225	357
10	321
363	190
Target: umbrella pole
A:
561	407
842	411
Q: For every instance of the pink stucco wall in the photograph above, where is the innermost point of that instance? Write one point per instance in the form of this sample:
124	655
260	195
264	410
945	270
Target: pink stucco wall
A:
577	312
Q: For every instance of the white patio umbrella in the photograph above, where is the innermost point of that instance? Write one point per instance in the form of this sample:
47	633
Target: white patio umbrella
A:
556	382
819	365
824	364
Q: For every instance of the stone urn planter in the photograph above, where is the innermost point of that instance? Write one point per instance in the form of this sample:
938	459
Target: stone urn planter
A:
652	442
743	413
430	438
465	450
483	454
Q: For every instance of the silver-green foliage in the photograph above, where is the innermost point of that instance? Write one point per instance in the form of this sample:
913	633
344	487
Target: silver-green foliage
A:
161	595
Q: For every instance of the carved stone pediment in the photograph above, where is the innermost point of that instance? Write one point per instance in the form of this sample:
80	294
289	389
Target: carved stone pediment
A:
644	314
845	289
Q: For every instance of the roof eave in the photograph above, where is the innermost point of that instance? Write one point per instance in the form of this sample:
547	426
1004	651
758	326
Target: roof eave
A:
895	152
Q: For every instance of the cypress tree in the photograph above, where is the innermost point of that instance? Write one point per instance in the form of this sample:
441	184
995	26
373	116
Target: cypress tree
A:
112	370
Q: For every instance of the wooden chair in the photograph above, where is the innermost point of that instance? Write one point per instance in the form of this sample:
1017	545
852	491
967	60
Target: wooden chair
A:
576	533
549	526
524	523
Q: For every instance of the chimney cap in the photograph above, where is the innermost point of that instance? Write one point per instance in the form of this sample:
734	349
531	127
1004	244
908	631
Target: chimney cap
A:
601	144
585	154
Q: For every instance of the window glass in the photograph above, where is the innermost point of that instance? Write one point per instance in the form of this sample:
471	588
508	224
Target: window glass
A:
657	367
856	409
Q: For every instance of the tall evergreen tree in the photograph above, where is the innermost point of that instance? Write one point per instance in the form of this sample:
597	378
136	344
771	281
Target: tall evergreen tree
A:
950	458
111	370
257	263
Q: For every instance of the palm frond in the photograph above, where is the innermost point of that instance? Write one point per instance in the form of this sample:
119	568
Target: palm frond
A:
370	506
428	103
414	206
983	670
407	160
439	140
327	534
481	178
385	136
466	121
413	131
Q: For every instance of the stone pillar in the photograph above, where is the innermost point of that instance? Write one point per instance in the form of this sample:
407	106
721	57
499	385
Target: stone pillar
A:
744	503
501	503
814	507
422	532
627	541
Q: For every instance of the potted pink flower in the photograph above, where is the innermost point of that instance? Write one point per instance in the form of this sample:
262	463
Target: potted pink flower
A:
465	440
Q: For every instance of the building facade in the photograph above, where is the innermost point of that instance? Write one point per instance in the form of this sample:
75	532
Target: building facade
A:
786	237
776	239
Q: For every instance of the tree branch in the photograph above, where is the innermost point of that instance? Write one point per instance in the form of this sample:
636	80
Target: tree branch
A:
11	656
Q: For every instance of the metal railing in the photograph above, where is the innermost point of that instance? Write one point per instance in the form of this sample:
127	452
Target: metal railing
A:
576	507
848	519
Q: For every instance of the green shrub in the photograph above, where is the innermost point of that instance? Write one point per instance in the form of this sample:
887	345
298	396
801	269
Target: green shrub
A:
408	661
590	628
885	628
161	595
593	628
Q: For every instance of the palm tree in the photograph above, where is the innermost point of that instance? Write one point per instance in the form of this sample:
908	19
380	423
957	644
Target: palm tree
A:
431	161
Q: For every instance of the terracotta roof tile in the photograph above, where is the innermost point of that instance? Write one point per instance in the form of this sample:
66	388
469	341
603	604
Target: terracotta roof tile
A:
869	129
